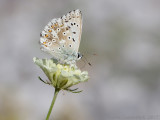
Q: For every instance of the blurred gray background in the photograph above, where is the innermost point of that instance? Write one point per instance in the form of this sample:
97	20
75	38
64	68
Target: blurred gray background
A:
125	74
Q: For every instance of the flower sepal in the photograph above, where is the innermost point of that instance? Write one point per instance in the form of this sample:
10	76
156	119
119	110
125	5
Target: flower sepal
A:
74	90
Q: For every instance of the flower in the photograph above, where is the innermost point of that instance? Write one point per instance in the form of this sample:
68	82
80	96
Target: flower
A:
61	76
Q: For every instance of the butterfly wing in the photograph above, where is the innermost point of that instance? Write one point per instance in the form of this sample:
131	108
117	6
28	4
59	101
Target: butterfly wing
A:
74	21
61	37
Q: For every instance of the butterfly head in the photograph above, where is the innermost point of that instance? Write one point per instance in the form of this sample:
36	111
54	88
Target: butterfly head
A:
79	56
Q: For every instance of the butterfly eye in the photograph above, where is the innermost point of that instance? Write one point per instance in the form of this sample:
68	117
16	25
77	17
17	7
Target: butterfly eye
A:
79	56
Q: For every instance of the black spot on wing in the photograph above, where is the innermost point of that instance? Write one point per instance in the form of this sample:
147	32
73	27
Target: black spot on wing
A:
73	39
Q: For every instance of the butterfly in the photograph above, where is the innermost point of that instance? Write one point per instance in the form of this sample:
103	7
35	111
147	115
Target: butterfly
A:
61	37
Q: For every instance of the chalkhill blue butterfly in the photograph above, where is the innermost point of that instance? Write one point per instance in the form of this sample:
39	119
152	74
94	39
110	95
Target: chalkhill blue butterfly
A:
61	37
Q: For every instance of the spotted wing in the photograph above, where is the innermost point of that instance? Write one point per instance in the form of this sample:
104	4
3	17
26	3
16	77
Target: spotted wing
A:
61	37
74	21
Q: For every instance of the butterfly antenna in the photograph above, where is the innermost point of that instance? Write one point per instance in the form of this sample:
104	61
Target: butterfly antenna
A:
83	64
87	61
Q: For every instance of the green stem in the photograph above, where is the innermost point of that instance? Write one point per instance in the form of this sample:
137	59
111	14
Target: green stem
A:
52	104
